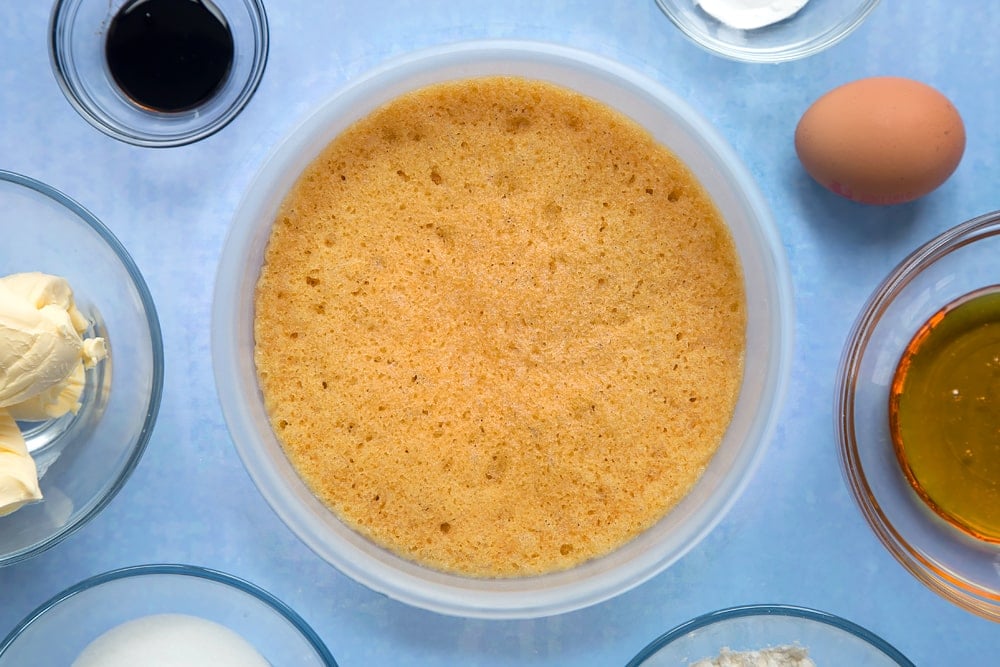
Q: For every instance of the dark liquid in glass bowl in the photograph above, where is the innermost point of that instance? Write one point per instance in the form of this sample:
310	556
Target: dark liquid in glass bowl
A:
169	55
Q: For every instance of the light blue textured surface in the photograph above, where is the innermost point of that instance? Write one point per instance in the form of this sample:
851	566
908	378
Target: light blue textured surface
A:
794	537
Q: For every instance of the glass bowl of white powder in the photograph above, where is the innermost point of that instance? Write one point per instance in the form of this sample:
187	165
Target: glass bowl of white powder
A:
164	615
768	31
771	636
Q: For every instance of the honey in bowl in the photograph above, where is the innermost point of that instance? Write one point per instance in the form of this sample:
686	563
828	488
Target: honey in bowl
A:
944	411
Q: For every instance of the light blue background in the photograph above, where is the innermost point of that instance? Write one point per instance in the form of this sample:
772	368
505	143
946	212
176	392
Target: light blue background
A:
794	537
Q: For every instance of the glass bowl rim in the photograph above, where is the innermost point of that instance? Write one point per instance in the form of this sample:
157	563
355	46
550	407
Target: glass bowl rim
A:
129	135
774	54
156	343
176	569
767	610
983	226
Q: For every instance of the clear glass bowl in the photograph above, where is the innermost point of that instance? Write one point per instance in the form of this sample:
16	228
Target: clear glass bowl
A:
818	25
56	632
76	46
829	639
960	568
769	335
83	459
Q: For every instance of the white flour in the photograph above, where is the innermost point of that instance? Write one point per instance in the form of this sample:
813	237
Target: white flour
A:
751	14
781	656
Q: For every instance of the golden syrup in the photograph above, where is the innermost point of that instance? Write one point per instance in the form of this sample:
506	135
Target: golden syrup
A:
944	413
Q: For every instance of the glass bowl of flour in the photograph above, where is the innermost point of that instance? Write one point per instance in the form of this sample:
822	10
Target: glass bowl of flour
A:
164	615
766	30
770	636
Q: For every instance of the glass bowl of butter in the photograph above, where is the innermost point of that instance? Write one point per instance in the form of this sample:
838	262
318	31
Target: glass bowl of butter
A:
81	367
164	614
769	634
767	31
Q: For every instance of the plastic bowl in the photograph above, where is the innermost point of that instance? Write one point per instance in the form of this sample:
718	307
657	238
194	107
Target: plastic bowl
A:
56	632
76	47
769	335
957	566
83	459
818	25
829	639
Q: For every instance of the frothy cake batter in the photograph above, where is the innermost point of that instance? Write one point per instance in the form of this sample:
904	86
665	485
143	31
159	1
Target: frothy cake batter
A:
499	329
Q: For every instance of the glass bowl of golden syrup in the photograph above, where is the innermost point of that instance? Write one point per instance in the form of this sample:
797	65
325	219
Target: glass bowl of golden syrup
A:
158	73
918	414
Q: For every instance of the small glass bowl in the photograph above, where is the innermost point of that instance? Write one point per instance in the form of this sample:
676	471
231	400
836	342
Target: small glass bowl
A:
56	632
818	25
83	459
76	46
957	566
829	639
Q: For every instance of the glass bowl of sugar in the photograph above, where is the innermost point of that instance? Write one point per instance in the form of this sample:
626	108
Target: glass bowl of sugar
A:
181	614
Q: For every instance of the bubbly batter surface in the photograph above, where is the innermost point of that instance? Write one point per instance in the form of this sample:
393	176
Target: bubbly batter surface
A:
499	329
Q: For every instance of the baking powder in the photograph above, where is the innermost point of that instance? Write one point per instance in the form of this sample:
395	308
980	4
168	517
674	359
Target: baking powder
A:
781	656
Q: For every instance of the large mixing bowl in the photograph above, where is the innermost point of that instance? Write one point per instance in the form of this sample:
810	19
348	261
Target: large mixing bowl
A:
768	335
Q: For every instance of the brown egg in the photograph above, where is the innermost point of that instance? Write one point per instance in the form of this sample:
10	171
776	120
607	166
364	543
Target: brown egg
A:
882	140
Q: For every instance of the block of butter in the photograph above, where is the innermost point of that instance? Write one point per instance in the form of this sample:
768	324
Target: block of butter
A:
43	362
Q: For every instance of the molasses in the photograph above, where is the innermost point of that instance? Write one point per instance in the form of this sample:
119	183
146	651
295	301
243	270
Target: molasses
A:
169	55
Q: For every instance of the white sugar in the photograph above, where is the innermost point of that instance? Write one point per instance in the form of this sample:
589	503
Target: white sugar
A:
170	640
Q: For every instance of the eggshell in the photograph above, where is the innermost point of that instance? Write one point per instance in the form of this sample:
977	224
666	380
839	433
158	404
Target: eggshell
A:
881	140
